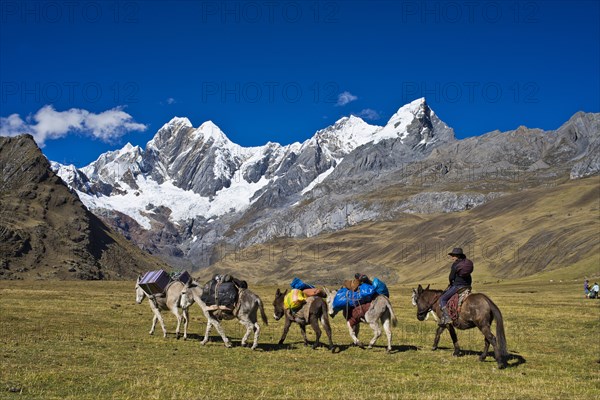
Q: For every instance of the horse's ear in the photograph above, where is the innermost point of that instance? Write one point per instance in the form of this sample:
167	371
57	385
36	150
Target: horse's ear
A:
419	288
278	292
427	288
285	292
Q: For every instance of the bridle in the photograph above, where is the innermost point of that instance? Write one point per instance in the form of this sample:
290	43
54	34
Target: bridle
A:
430	306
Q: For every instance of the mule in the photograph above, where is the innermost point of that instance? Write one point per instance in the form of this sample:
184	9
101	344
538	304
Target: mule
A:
246	312
380	311
477	310
313	311
169	300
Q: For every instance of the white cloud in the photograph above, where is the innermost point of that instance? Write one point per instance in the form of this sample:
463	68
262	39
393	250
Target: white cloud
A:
48	124
369	113
171	100
345	98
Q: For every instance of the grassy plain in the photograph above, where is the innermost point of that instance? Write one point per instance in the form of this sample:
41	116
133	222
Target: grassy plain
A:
89	340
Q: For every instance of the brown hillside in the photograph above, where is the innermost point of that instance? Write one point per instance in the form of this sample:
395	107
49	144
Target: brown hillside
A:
47	233
552	230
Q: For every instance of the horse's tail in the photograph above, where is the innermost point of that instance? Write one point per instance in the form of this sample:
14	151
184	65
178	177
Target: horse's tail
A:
392	315
500	336
262	311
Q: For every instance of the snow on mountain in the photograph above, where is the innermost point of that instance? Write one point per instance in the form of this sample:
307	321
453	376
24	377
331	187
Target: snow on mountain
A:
200	172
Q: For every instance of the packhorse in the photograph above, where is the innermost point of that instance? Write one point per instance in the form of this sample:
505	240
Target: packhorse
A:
246	311
169	300
313	311
477	310
379	310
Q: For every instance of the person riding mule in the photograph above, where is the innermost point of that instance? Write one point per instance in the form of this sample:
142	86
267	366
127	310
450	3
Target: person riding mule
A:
460	277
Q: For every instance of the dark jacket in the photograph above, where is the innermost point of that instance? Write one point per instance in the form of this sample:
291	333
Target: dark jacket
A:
460	273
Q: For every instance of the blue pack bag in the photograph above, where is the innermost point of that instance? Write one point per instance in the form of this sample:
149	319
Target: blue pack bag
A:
380	287
346	298
298	284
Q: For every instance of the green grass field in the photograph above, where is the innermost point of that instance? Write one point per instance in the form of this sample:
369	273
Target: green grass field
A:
89	340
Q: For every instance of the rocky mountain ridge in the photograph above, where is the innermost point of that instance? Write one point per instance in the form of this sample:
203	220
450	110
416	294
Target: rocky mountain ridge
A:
192	190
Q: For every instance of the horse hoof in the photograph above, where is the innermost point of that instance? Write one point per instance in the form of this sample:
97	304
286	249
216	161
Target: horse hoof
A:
434	348
228	345
359	344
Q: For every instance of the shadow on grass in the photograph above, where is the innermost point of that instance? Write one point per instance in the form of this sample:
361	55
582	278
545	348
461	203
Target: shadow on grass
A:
395	349
518	359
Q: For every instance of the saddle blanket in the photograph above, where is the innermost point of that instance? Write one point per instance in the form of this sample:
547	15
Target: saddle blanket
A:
456	301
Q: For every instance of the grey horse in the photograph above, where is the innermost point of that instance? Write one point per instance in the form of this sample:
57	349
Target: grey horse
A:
380	310
169	300
246	311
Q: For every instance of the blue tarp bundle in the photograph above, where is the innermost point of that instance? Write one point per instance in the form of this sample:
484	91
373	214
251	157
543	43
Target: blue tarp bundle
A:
380	287
347	298
298	284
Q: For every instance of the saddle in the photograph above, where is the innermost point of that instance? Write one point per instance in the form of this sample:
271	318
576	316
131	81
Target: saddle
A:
456	301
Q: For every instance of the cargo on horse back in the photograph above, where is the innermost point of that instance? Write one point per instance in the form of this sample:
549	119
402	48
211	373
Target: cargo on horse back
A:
310	312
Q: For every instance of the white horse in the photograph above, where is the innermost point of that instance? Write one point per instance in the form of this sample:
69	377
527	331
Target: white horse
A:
246	311
380	310
169	300
431	312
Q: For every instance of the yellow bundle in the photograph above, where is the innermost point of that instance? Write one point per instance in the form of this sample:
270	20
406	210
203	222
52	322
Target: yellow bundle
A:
294	299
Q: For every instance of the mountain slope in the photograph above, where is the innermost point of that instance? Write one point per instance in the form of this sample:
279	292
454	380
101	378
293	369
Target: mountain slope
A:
551	230
192	191
45	230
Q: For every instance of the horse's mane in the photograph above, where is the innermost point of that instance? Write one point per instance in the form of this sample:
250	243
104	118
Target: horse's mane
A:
433	290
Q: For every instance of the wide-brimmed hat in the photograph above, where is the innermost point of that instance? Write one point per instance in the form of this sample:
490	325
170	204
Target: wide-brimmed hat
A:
457	251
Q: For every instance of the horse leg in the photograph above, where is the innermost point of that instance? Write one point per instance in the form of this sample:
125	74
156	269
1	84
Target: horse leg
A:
438	335
353	336
303	330
175	311
154	319
454	340
388	333
249	325
486	347
219	328
376	333
207	332
327	327
158	316
491	339
314	322
186	319
256	335
286	328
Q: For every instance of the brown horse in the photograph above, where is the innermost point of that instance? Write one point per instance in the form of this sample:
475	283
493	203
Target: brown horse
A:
477	310
312	312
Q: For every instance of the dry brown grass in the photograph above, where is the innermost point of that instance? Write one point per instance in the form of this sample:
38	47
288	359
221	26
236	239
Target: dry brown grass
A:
89	340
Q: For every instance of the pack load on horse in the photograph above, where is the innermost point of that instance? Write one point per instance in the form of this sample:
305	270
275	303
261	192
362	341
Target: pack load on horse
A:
299	294
156	282
363	300
221	293
231	298
303	304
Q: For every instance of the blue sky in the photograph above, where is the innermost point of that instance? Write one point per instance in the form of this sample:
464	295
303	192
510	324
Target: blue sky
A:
91	76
